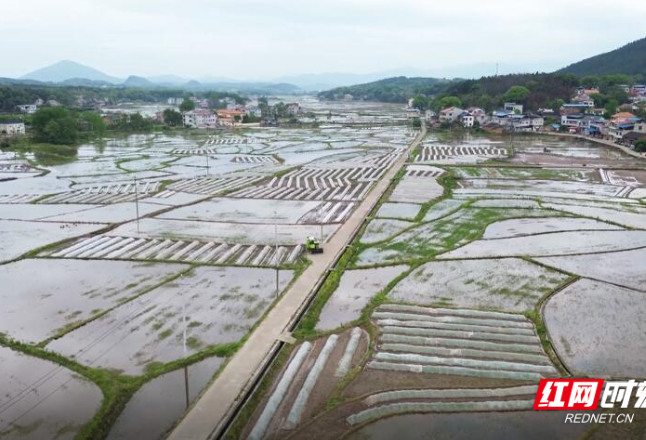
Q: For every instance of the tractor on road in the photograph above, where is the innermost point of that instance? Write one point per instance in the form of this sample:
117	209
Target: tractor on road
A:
313	245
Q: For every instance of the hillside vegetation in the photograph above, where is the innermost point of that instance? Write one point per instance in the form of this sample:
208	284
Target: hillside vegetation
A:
397	89
629	59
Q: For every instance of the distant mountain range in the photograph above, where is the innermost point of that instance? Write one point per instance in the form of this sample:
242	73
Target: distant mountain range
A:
629	59
74	74
66	70
70	73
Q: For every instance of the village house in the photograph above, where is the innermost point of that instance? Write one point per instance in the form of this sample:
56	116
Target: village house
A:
638	133
27	108
580	123
621	124
200	118
229	118
591	91
545	112
467	119
174	101
499	116
597	126
573	108
429	115
513	107
412	113
253	111
524	122
478	114
12	127
584	100
638	90
631	138
450	115
293	109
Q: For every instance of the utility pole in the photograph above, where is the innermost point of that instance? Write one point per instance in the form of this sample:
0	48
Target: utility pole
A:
207	163
185	351
137	202
276	250
321	221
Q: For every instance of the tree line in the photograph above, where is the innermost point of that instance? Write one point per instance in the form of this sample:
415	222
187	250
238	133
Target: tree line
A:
534	91
12	95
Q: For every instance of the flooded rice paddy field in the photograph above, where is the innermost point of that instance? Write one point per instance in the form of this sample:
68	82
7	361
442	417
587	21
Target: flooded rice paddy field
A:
444	234
536	227
407	211
42	298
41	399
512	284
355	290
142	253
525	226
158	403
623	268
210	306
380	229
588	315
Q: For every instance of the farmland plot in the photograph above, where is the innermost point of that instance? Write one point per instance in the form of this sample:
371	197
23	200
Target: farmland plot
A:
530	226
64	401
442	235
160	402
511	285
622	268
554	243
597	329
45	297
355	290
217	305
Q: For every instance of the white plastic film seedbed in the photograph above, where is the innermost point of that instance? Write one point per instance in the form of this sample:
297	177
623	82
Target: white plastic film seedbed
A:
130	248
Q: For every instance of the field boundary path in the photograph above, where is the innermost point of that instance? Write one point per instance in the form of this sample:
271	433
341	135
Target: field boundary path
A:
209	415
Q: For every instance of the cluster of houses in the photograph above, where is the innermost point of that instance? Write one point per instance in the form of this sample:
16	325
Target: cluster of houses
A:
200	117
230	116
580	116
508	118
30	109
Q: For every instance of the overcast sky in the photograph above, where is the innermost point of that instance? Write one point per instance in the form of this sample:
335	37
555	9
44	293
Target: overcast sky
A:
253	39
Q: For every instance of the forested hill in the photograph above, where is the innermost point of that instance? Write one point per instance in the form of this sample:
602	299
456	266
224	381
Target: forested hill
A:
629	59
534	90
397	89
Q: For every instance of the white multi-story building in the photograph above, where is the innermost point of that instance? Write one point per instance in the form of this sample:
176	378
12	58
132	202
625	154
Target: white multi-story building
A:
200	118
28	108
526	122
253	110
467	119
174	101
513	107
450	114
12	127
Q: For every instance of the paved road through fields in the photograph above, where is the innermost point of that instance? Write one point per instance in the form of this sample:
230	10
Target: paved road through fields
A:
206	418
